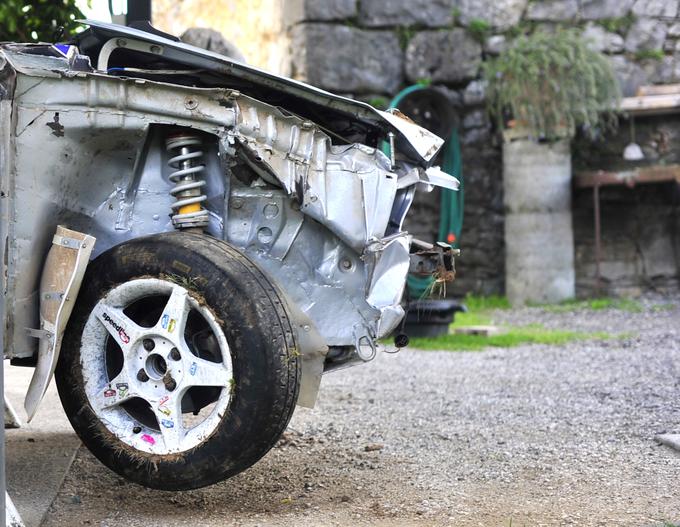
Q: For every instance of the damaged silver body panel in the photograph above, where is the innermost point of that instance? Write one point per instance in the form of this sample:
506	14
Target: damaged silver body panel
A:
318	211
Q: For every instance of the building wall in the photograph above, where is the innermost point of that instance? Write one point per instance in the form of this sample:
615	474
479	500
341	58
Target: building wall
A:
254	26
370	49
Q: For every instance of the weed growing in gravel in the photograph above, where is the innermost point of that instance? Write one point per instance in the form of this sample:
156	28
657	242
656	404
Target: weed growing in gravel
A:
596	304
482	303
513	336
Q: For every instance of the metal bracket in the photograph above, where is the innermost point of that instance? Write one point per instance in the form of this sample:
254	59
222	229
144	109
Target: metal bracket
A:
41	334
54	296
435	259
113	44
69	243
364	343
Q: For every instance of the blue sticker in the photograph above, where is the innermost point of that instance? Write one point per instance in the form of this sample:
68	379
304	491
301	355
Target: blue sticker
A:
164	321
167	423
193	367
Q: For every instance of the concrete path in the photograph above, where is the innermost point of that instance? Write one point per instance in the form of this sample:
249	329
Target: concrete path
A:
39	454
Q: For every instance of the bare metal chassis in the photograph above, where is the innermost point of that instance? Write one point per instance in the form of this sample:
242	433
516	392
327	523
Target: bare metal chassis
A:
321	217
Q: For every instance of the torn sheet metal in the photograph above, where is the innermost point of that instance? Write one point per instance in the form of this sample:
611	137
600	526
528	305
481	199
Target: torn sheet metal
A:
329	108
61	278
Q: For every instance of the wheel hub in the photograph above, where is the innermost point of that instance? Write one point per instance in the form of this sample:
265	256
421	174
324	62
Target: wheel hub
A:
156	367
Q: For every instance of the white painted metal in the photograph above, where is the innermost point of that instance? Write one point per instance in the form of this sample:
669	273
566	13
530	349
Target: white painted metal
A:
12	517
106	395
11	418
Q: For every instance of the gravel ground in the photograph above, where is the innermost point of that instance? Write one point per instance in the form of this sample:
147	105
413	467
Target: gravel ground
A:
534	435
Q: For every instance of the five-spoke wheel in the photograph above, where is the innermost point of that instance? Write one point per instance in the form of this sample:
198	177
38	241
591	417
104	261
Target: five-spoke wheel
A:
178	366
164	381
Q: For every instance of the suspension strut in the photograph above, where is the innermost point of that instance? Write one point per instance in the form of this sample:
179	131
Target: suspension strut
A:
188	211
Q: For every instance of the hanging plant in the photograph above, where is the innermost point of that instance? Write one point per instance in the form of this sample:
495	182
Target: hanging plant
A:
552	84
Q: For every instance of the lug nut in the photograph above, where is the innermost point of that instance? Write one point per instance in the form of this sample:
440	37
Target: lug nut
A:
148	344
175	354
170	385
142	376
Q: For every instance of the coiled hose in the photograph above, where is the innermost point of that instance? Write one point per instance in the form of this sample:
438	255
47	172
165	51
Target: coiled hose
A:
451	203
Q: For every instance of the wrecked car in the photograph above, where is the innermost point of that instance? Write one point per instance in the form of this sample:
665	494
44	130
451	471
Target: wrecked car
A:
190	243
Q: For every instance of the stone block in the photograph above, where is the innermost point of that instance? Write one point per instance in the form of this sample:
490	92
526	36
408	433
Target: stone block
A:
474	93
659	8
206	38
476	135
539	263
495	44
632	75
428	13
346	59
475	119
646	34
443	56
553	10
537	176
500	14
296	11
599	9
602	40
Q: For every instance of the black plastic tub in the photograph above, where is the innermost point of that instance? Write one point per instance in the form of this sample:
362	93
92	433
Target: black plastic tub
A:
431	318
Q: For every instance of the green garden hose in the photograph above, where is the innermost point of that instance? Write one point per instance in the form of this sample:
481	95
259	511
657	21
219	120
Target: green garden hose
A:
451	207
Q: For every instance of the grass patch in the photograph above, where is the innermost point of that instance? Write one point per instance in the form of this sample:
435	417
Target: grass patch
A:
381	103
479	29
594	304
651	54
656	308
617	25
483	303
514	336
480	313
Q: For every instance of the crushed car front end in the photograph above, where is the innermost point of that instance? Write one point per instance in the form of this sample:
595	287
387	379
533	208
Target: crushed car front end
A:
125	134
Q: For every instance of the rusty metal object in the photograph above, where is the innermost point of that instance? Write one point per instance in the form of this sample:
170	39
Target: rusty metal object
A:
437	261
628	178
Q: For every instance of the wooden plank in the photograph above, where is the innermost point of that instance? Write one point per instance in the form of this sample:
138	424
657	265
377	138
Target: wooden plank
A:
659	89
630	178
651	104
483	331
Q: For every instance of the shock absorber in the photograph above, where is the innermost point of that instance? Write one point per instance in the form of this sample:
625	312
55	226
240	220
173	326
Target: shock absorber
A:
188	211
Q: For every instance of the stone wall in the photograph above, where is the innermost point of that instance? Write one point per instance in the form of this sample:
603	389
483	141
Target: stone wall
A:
370	49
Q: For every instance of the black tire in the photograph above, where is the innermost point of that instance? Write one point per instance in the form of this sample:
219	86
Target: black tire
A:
266	368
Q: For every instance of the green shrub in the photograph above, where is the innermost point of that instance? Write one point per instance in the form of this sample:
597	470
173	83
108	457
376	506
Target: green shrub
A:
36	20
650	54
479	29
552	84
